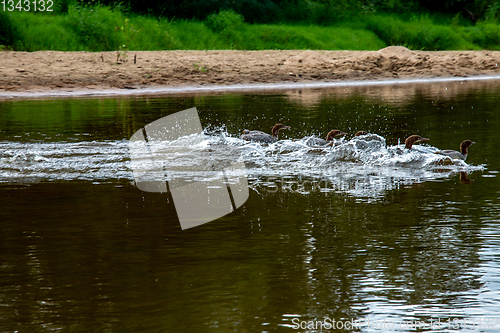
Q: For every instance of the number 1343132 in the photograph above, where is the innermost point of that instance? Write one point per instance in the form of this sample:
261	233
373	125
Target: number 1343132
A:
27	5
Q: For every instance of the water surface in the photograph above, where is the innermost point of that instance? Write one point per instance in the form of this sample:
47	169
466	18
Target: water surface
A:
325	234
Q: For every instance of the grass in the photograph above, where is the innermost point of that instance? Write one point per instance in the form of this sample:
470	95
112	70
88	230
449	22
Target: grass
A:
43	32
101	28
435	33
418	33
487	35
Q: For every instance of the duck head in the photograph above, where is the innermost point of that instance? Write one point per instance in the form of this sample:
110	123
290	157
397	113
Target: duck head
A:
358	133
333	133
277	128
464	145
414	139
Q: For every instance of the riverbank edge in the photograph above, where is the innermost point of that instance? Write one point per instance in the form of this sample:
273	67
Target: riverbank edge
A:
218	89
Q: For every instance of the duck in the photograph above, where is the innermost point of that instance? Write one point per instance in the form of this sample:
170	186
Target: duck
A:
329	139
259	136
413	139
461	155
359	133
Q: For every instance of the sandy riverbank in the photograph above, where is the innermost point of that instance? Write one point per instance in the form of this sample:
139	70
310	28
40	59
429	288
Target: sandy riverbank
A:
45	71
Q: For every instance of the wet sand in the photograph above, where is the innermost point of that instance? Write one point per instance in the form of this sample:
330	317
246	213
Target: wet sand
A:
60	73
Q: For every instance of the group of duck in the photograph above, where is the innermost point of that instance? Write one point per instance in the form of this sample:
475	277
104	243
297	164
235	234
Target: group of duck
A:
259	136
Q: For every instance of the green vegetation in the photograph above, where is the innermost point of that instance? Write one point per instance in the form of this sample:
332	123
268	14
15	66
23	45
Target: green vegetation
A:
101	28
320	25
420	33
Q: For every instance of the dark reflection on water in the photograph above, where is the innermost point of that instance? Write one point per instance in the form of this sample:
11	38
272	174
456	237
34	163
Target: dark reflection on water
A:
99	255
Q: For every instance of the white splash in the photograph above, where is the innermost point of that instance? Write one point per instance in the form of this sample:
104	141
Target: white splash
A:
364	167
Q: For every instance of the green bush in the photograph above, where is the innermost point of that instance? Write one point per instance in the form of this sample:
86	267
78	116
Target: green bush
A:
486	35
97	27
63	6
101	28
43	32
8	31
144	33
257	11
224	20
418	33
294	11
327	14
492	13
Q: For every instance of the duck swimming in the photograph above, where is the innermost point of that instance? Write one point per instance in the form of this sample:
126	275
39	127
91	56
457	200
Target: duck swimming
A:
329	139
259	136
462	155
413	139
359	133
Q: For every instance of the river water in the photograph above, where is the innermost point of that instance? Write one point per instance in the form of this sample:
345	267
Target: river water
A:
363	233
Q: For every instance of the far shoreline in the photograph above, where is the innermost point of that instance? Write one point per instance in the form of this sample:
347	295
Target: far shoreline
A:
51	74
237	88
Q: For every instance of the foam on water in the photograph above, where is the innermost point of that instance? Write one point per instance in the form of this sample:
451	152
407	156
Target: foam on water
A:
49	161
363	167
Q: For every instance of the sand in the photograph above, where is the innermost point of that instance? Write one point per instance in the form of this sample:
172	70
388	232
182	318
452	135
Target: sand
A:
44	71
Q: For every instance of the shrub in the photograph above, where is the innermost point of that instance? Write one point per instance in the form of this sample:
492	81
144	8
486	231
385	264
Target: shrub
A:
44	32
486	35
143	33
97	27
257	11
8	31
326	14
224	20
295	11
418	33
